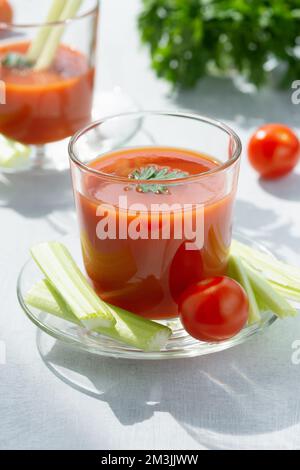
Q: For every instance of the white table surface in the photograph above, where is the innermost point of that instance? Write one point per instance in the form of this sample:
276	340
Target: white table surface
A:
246	397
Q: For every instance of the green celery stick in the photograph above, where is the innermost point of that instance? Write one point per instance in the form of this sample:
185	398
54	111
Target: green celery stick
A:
12	153
268	295
67	280
276	271
284	278
263	307
288	292
237	271
47	55
38	43
130	329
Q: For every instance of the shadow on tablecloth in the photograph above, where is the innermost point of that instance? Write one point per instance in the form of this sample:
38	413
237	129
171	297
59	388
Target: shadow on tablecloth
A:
36	195
221	99
250	390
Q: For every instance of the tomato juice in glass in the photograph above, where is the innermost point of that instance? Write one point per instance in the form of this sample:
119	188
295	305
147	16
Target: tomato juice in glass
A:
48	105
43	106
136	249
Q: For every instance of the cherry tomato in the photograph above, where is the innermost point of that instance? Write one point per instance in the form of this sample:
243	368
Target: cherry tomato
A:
274	150
214	309
6	13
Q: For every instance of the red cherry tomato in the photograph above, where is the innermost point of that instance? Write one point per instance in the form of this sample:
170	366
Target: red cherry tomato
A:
214	309
6	13
274	150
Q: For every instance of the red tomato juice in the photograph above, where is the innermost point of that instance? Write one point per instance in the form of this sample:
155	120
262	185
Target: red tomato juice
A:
49	105
148	275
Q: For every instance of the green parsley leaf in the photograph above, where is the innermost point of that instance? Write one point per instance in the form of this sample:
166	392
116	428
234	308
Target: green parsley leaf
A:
16	60
155	173
190	39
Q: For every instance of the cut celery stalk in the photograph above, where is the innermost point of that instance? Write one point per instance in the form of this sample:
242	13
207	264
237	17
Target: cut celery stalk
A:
288	292
237	271
282	274
12	153
38	43
50	47
41	296
263	307
67	280
130	329
268	295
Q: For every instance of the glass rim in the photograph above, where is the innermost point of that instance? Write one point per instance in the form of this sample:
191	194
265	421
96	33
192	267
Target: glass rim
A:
140	114
93	10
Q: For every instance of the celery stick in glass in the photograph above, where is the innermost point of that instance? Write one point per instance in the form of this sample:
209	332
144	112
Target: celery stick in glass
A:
130	329
38	43
50	47
237	271
60	269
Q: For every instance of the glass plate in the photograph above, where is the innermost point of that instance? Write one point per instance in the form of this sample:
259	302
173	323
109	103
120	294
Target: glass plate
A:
180	344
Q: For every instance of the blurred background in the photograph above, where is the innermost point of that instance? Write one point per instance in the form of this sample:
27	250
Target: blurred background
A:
234	60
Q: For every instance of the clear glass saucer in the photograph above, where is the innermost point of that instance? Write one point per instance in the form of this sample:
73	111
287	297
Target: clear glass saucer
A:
180	345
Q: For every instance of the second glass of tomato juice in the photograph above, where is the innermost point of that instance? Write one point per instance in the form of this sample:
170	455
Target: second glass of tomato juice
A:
155	216
47	66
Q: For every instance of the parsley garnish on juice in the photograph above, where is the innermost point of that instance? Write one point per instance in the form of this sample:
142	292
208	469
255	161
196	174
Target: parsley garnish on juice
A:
155	173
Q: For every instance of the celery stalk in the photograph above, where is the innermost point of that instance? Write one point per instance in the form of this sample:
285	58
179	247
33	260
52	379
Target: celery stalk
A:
272	299
67	280
12	153
238	272
263	307
288	292
38	43
281	274
50	47
130	329
41	297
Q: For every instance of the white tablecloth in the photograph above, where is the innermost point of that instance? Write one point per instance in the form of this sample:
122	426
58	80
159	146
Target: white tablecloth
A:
246	397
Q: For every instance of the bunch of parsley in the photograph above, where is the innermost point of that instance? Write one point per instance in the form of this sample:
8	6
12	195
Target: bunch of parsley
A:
192	38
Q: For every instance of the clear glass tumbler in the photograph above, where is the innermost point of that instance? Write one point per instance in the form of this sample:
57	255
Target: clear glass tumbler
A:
45	105
145	241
